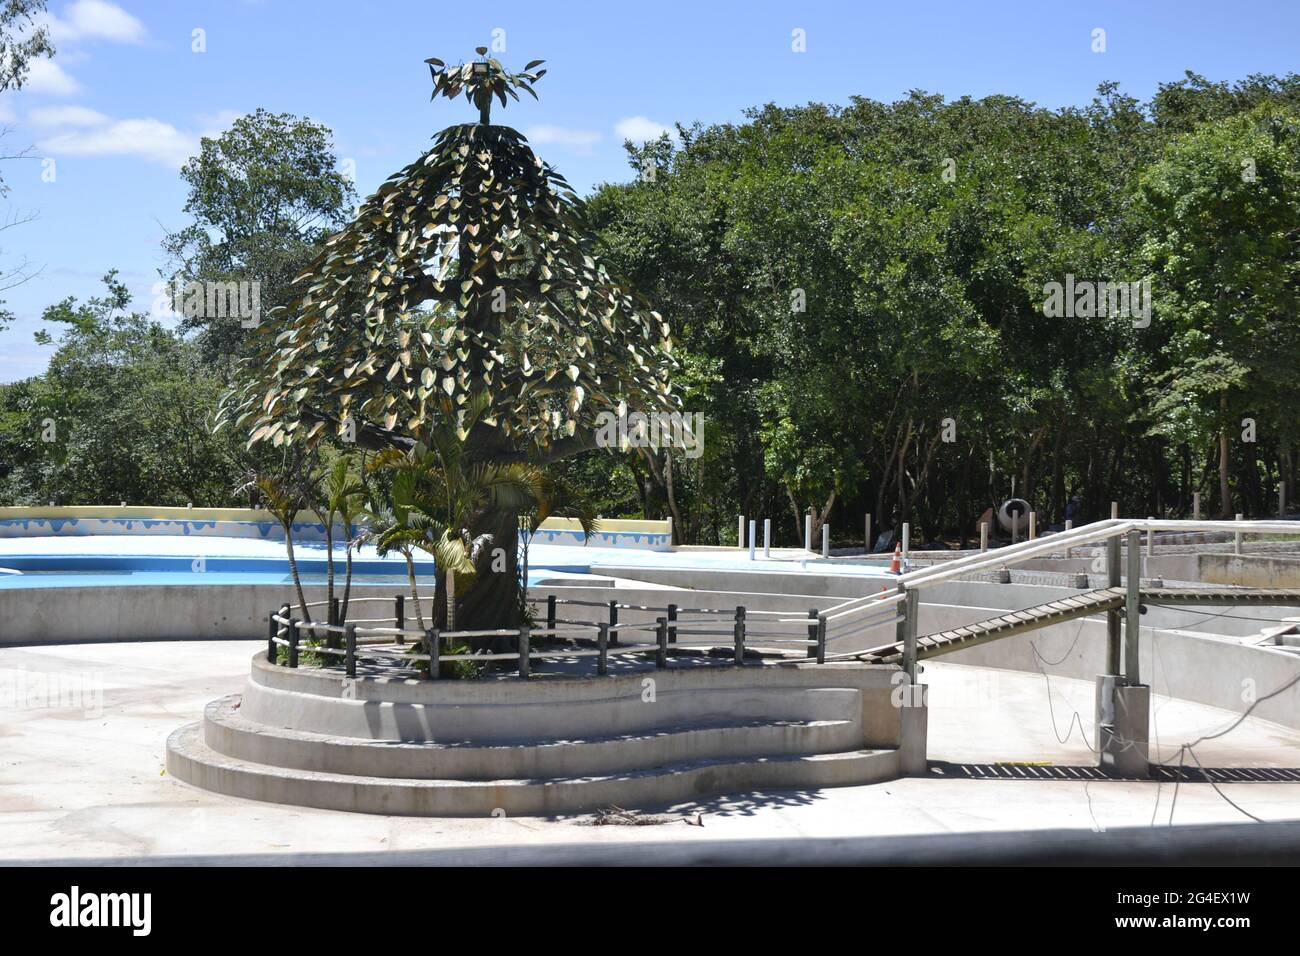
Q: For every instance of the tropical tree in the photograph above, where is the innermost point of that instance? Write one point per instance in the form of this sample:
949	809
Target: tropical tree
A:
286	492
1224	207
263	196
447	493
468	272
342	500
388	523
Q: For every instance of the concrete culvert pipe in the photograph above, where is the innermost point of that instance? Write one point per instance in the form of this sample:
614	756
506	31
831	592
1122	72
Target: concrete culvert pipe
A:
1013	516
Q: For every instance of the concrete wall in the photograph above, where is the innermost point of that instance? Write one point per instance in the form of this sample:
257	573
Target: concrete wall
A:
239	611
1250	570
252	523
159	612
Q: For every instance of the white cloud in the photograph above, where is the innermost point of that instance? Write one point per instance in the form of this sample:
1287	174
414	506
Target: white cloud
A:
639	129
147	138
214	124
94	20
6	111
580	140
46	76
66	116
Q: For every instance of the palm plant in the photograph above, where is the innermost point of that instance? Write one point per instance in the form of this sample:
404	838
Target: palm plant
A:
562	499
342	500
386	524
286	493
445	494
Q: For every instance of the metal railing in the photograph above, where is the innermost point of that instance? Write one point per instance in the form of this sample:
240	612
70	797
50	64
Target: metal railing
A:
897	603
601	639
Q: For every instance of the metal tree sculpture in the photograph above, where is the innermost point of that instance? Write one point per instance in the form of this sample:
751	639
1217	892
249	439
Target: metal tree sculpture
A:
468	272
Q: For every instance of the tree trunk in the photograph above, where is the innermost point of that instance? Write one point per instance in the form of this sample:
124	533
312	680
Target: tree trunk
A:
1225	492
415	593
293	572
492	600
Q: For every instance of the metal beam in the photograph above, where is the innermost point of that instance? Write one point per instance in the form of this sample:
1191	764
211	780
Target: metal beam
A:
1112	616
1133	609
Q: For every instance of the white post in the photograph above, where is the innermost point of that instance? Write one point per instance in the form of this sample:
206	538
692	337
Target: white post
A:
752	536
867	533
1236	539
767	537
1196	506
984	536
1033	525
1114	509
1151	538
740	531
1069	523
826	540
807	531
907	535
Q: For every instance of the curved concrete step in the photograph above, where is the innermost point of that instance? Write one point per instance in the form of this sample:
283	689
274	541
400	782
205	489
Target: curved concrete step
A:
191	760
494	715
227	732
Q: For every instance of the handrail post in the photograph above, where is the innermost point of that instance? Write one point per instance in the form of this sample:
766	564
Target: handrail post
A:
273	631
550	613
812	631
399	616
1133	613
613	620
821	638
350	650
433	644
602	645
905	631
525	650
672	626
740	634
661	637
293	643
1112	616
912	608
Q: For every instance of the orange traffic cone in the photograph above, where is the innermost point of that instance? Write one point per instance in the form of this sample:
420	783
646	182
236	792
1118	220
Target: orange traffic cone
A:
896	565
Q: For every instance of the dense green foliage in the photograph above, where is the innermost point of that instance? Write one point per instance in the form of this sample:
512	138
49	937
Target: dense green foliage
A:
848	287
920	237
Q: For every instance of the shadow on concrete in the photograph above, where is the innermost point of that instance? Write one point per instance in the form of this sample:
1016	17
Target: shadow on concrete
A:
748	804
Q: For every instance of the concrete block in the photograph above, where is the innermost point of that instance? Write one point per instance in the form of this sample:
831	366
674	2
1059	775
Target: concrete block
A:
1123	727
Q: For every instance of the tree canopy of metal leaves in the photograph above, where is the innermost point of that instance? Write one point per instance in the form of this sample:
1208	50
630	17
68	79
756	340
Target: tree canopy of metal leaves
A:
468	271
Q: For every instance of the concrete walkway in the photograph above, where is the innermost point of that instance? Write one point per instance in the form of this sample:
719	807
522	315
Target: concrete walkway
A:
82	731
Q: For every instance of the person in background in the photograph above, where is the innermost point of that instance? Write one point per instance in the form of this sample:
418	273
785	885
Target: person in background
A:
1073	510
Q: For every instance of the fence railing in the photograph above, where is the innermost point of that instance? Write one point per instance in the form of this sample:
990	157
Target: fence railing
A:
602	635
678	627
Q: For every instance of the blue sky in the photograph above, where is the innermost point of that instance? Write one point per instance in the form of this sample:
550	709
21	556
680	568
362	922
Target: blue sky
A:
126	98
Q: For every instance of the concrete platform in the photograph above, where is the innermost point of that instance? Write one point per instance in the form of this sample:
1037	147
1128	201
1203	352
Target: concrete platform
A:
82	776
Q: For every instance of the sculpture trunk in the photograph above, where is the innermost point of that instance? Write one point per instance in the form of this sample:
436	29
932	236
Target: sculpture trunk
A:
491	599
